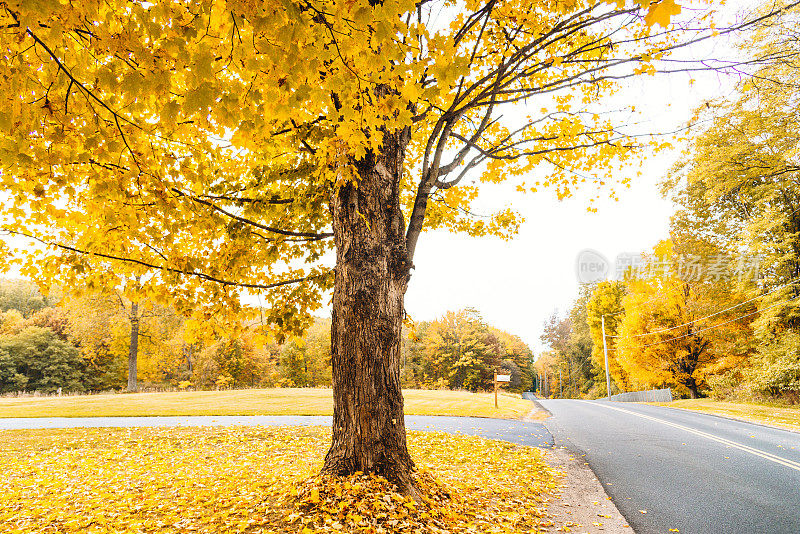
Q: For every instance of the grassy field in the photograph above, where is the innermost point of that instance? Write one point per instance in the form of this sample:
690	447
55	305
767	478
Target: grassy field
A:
783	417
254	402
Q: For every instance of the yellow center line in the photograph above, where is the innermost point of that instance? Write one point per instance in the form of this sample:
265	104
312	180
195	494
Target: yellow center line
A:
766	455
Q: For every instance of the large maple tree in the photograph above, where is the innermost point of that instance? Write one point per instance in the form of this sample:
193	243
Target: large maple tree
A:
205	148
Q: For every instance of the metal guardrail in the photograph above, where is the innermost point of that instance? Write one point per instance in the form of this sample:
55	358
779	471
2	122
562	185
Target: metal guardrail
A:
650	395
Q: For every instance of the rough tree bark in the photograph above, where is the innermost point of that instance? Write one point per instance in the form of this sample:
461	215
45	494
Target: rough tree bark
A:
133	351
372	272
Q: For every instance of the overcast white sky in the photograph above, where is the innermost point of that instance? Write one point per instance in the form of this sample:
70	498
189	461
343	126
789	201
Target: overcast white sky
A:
516	285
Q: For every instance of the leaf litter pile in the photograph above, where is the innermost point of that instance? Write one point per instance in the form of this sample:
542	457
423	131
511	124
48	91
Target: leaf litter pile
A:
259	480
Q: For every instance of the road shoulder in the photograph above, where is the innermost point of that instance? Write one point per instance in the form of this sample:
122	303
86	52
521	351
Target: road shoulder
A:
537	414
581	504
767	416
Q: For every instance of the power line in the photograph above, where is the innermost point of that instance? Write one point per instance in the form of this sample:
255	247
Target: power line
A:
715	314
714	326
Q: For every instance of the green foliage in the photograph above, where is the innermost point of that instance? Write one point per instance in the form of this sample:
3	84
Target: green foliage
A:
36	359
517	361
23	296
236	359
460	351
775	368
453	339
306	361
728	385
586	371
240	362
95	326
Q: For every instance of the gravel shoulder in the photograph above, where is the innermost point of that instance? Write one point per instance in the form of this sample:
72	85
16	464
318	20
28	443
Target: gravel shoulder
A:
580	503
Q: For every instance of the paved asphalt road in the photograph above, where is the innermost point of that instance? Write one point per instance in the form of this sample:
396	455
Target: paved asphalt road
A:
523	433
688	471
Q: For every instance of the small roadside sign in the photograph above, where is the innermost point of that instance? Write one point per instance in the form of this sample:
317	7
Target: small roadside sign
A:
497	380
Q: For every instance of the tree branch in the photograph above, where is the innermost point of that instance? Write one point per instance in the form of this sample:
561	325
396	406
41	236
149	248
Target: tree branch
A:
164	268
311	235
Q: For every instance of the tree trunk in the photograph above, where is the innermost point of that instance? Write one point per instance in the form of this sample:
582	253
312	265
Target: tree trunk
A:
133	351
372	271
187	355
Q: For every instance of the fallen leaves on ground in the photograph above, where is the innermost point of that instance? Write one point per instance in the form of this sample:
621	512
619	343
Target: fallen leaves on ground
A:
259	480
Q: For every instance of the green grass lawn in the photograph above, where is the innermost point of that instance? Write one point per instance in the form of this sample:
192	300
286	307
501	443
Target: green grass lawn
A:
779	416
254	402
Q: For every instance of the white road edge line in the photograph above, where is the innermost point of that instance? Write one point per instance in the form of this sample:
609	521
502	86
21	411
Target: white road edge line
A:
768	456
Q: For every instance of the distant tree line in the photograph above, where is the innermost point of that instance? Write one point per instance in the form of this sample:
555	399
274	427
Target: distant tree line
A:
665	326
82	343
461	351
714	309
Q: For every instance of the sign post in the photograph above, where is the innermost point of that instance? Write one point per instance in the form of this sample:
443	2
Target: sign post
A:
497	379
495	388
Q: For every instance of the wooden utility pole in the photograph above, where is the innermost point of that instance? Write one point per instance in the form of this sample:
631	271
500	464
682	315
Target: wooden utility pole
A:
605	351
546	385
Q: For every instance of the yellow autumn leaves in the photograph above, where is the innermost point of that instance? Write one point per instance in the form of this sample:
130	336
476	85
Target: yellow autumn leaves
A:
658	12
257	480
194	145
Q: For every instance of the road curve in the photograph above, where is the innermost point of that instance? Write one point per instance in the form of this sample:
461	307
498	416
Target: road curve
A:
673	469
520	432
